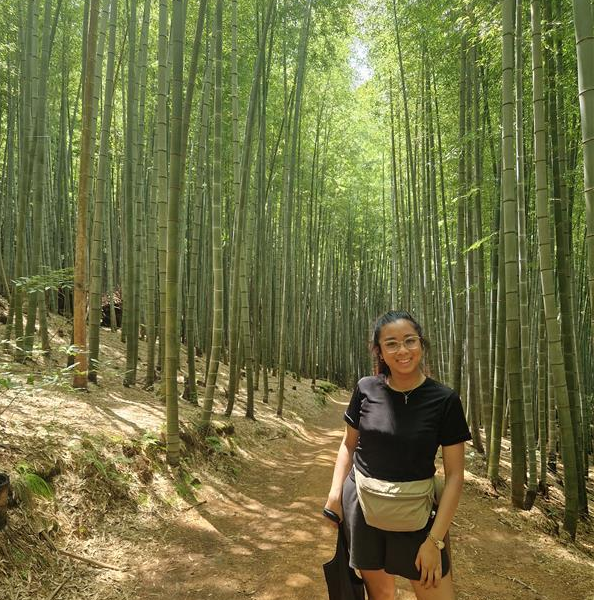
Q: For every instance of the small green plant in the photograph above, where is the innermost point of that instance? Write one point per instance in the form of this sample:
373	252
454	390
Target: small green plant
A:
214	443
151	444
150	439
191	480
28	485
5	381
91	458
96	464
187	484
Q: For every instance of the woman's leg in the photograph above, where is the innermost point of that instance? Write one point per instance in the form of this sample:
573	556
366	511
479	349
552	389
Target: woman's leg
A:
444	591
379	584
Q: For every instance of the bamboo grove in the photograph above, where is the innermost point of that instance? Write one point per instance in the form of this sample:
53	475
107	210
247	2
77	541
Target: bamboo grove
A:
257	181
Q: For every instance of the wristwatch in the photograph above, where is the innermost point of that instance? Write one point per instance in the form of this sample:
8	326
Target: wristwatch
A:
439	544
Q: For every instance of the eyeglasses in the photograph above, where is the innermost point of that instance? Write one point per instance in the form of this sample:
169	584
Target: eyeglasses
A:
410	343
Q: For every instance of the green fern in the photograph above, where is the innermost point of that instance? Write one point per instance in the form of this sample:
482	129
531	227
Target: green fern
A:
150	439
214	443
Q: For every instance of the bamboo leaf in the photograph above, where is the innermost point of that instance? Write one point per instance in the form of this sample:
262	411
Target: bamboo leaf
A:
479	243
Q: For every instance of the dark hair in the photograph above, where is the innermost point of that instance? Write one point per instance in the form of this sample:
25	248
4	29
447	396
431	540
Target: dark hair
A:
391	317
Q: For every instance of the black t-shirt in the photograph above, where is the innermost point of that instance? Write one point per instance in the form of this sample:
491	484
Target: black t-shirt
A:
398	440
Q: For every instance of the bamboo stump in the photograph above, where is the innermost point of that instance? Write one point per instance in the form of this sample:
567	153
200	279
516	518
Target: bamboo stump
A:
4	489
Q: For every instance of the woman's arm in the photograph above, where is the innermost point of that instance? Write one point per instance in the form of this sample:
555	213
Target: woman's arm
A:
344	462
428	559
453	465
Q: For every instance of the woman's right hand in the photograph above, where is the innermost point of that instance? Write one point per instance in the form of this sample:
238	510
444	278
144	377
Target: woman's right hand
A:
344	463
335	505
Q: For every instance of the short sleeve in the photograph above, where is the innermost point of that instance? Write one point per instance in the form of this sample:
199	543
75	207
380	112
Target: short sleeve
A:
454	428
353	412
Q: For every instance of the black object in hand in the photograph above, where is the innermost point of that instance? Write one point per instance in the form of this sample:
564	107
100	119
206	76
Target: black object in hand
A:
330	514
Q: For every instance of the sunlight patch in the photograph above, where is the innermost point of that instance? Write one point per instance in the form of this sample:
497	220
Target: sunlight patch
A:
359	63
298	580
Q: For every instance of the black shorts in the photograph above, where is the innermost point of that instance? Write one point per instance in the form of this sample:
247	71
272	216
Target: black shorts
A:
372	549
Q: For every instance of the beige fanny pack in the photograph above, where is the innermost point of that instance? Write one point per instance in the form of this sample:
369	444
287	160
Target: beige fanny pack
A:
395	505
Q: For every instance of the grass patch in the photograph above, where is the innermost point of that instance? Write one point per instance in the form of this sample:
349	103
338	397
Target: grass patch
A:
320	399
326	386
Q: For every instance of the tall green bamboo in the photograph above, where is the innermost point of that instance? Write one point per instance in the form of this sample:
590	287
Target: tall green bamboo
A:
584	37
217	254
172	340
162	187
98	227
547	275
235	292
482	328
140	201
564	266
39	180
523	274
84	190
510	233
498	392
198	209
130	290
473	301
457	334
26	34
288	199
239	282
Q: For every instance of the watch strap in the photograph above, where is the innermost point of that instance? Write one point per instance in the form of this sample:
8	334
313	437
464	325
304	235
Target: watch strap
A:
439	544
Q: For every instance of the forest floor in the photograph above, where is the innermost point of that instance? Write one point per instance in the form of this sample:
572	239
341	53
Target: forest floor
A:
240	517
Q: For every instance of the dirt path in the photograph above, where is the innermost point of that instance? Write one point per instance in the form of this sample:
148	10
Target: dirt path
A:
264	537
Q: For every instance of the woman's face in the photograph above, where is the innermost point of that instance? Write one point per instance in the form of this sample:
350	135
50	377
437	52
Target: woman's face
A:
401	348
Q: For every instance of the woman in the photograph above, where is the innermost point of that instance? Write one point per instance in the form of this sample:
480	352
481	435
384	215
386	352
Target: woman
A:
396	421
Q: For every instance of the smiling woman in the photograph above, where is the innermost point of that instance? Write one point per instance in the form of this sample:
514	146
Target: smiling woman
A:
383	484
401	352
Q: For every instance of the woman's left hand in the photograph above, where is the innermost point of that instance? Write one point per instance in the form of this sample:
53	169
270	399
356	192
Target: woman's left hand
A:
428	562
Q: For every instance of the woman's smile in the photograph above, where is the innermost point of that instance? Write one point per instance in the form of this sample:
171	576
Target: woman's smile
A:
402	351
